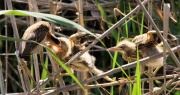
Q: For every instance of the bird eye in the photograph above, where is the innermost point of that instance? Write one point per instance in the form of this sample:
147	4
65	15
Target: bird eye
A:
122	46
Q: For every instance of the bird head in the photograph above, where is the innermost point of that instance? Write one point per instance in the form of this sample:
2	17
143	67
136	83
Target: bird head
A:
124	46
36	32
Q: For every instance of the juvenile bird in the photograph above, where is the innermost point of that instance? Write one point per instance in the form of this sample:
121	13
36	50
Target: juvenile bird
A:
148	44
63	47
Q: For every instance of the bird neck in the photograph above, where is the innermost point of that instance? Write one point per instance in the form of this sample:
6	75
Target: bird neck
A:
52	38
67	45
57	46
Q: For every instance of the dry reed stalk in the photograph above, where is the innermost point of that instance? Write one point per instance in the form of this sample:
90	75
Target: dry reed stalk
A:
2	85
32	4
166	13
81	75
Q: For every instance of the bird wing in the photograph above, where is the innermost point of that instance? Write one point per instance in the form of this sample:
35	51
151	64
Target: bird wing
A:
151	37
82	38
144	38
36	32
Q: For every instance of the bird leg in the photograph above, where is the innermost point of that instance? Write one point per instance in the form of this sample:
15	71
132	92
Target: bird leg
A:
156	70
150	71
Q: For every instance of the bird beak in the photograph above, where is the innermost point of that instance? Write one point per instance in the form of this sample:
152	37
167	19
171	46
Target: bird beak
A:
113	49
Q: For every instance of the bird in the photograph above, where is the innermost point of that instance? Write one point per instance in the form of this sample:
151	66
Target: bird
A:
147	44
63	47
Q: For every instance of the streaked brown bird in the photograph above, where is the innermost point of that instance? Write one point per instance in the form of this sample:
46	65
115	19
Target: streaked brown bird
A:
148	44
63	47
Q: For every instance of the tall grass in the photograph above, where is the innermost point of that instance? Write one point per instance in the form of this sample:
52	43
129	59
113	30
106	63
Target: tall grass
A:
137	84
44	73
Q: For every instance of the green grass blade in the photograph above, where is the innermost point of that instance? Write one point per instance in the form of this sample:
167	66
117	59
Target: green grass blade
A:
32	74
142	24
138	75
126	29
137	84
177	93
44	74
67	69
132	19
49	17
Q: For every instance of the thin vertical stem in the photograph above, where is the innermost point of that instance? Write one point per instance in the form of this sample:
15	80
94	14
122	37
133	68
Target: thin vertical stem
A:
150	72
2	86
13	23
33	7
80	8
6	51
6	57
150	12
150	69
81	75
166	15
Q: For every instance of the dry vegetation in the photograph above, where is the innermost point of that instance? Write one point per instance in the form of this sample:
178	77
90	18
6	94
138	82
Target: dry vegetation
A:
113	20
